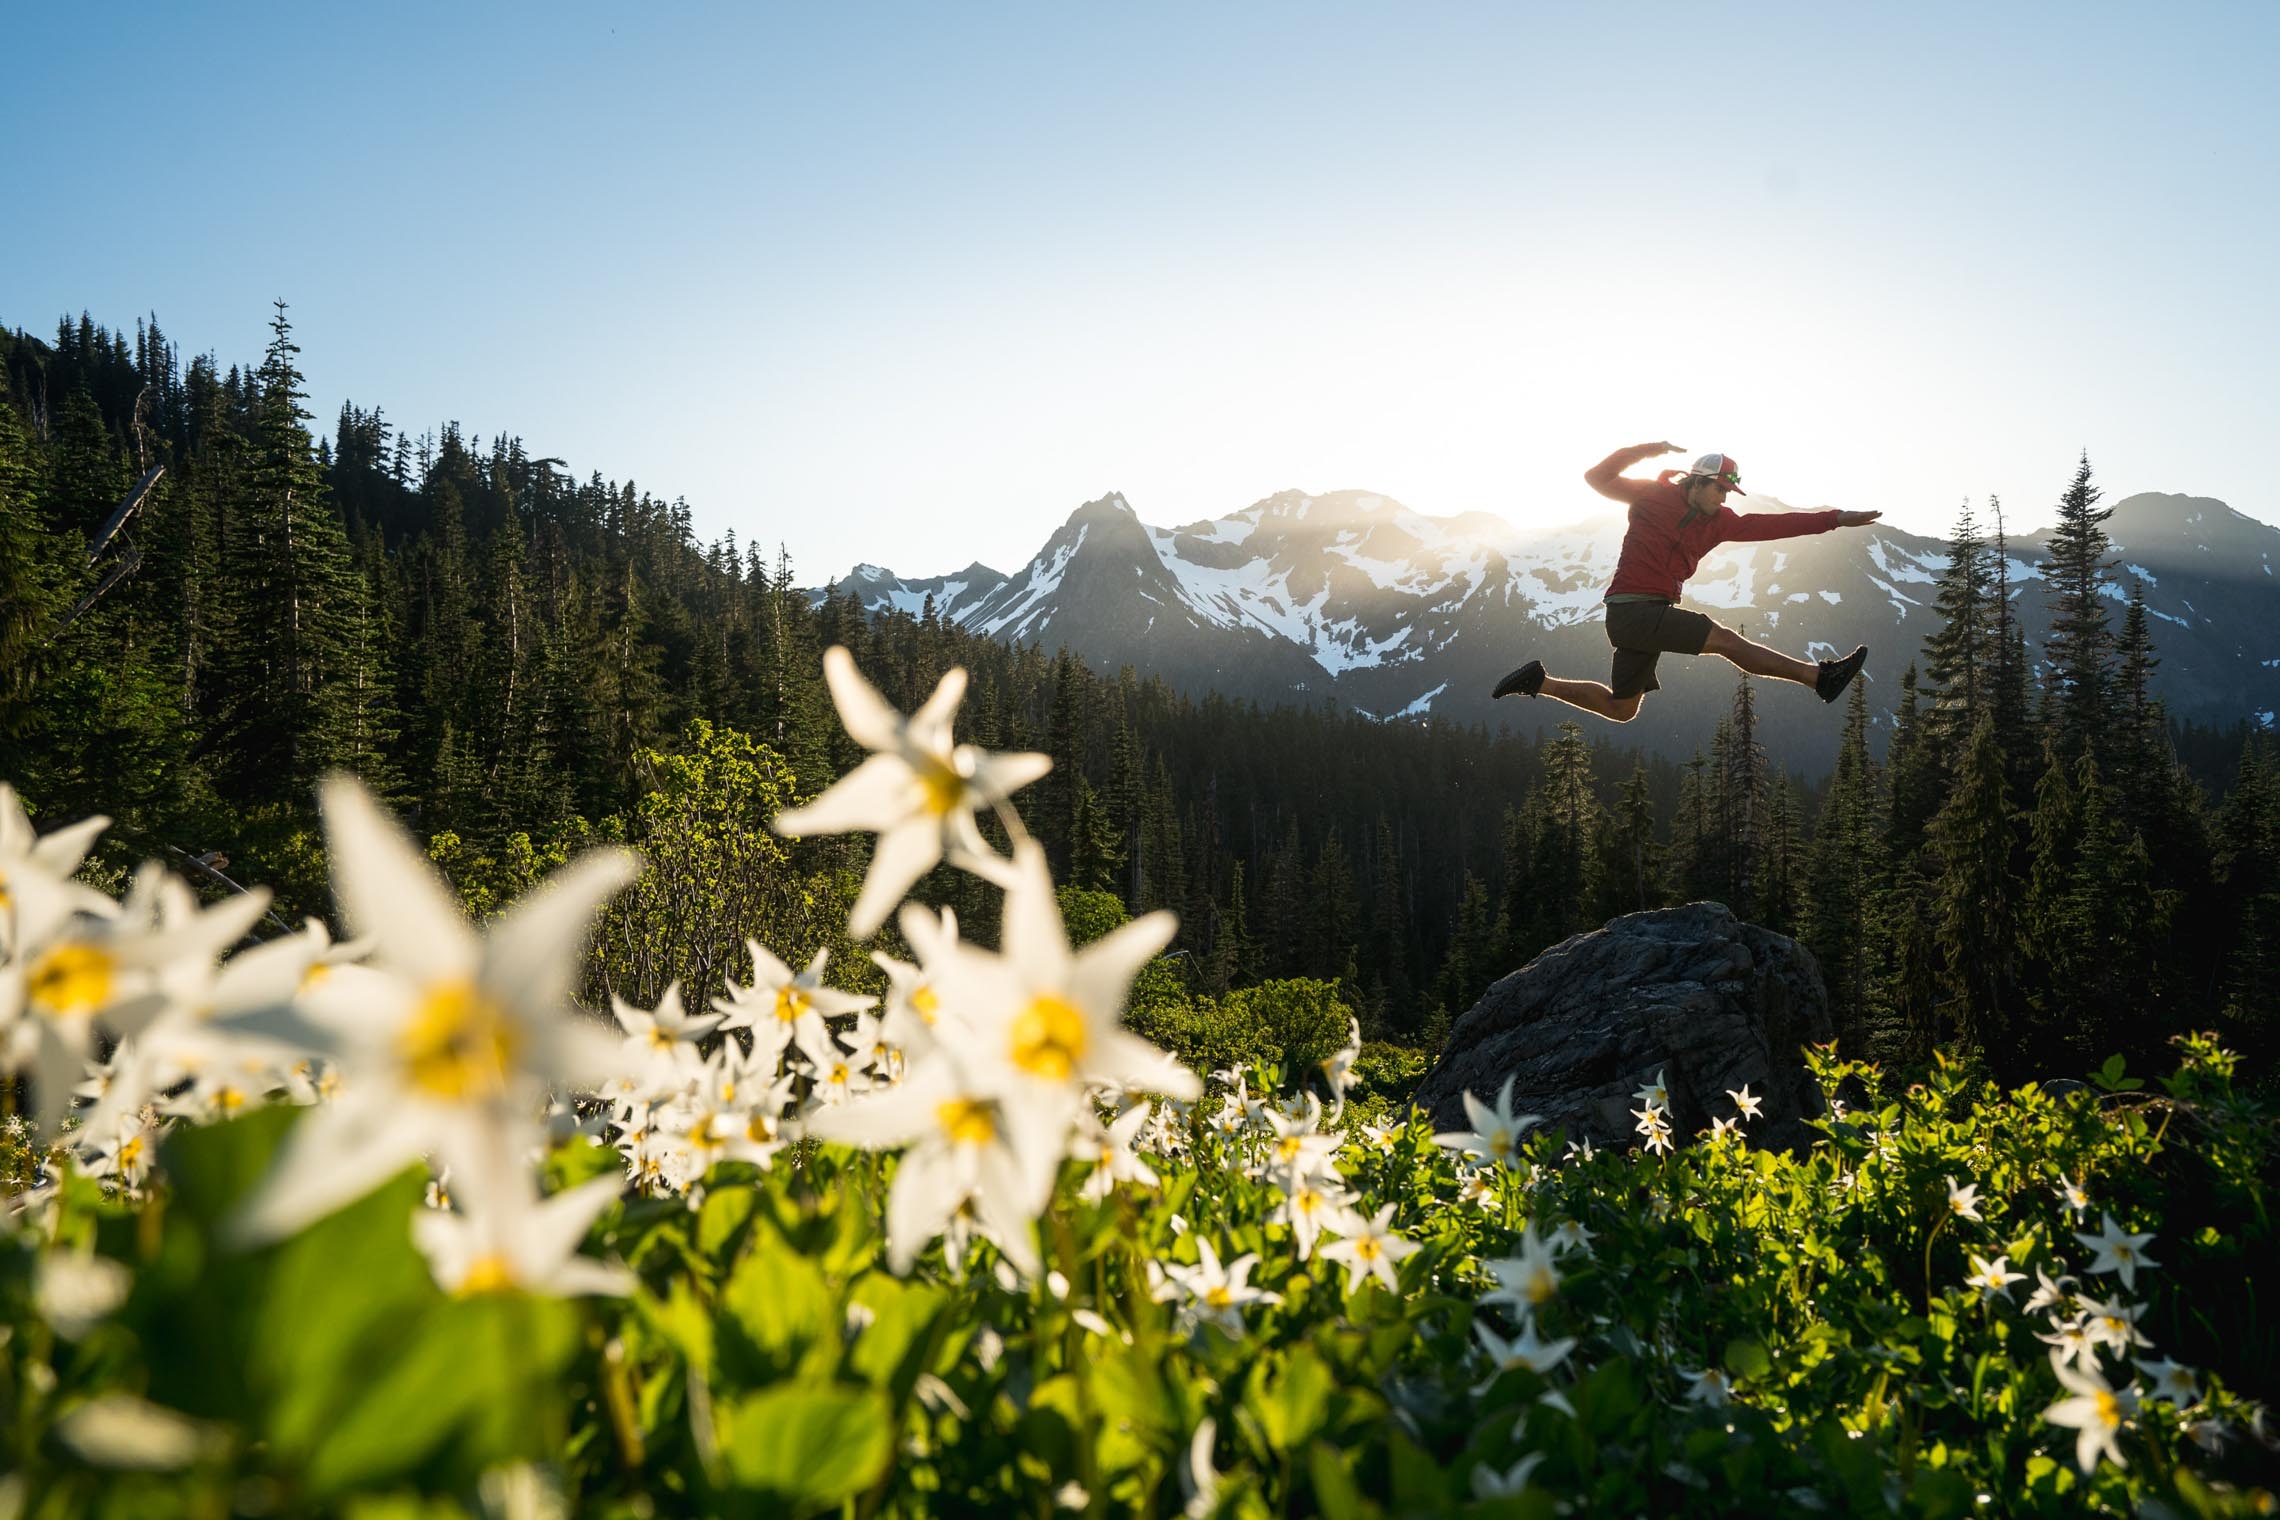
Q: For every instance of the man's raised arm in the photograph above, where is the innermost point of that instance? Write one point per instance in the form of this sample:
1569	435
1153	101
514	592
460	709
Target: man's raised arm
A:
1605	476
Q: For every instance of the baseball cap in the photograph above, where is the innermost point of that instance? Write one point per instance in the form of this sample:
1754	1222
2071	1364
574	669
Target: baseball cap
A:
1721	465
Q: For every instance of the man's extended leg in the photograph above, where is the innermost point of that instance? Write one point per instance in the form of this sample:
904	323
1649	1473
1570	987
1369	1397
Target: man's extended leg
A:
1759	660
1828	678
1593	698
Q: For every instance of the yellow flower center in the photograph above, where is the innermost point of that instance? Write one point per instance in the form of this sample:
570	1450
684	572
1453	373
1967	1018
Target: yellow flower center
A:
661	1037
945	789
790	1003
316	973
1049	1038
966	1122
1367	1249
1218	1297
1541	1285
2109	1409
458	1045
71	980
926	1002
490	1273
131	1153
758	1130
1288	1148
229	1100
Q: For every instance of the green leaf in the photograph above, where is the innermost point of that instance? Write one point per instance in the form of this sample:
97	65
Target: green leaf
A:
1335	1492
721	1221
775	1311
808	1446
1747	1358
1291	1405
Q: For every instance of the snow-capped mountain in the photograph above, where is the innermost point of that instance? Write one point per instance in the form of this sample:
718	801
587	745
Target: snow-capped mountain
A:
1354	598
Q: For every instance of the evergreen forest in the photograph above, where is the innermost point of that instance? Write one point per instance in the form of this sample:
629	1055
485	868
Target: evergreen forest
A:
206	603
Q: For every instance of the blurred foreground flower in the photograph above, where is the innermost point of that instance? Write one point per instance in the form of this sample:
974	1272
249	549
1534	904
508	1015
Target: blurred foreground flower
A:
447	1038
917	791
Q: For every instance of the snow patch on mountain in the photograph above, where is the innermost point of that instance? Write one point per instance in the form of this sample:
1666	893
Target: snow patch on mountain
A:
1424	704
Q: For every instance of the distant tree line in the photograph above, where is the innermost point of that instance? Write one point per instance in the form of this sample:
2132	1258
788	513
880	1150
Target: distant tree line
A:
522	661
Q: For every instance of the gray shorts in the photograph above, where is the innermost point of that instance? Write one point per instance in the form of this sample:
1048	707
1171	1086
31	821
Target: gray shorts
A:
1642	633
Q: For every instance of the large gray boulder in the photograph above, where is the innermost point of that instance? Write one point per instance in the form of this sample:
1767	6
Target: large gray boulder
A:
1693	991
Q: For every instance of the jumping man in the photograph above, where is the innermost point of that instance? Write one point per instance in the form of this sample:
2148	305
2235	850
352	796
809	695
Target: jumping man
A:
1676	518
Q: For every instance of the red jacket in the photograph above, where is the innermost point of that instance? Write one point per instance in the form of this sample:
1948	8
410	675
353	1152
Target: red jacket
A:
1665	542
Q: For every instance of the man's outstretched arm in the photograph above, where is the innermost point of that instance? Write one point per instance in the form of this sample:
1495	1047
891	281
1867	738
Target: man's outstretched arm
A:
1748	527
1606	477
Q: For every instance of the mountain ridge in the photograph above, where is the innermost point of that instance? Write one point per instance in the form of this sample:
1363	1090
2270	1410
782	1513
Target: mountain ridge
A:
1352	597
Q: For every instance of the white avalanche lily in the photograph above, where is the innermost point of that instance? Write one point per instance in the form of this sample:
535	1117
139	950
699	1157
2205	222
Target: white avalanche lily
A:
1112	1153
782	1009
510	1240
1524	1350
1709	1386
446	1036
959	1149
1370	1248
122	972
1045	1022
1526	1281
2054	1294
661	1045
1751	1107
2118	1251
2096	1412
48	860
1495	1133
1488	1483
1963	1202
917	790
1656	1094
1338	1067
1654	1123
914	1013
2172	1381
1312	1204
1993	1278
1216	1294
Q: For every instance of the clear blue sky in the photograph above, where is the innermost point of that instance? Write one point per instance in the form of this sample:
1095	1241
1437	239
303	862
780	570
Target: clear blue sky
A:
909	283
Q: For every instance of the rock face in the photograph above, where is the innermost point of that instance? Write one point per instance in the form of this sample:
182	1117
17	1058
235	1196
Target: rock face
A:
1716	1002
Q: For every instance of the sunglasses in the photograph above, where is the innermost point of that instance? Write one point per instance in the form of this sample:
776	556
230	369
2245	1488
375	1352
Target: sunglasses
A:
1732	479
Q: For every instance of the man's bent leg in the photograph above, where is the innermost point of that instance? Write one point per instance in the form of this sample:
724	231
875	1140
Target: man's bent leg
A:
1592	698
1757	659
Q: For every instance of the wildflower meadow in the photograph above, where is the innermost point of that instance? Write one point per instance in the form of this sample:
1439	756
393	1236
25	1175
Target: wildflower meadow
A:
385	1225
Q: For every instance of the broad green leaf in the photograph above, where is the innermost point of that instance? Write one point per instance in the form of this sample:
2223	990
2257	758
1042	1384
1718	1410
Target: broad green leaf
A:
808	1446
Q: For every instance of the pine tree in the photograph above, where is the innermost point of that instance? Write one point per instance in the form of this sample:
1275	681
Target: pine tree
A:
1977	900
1630	861
1563	834
1959	654
33	572
289	584
1739	762
2081	642
1781	870
1845	872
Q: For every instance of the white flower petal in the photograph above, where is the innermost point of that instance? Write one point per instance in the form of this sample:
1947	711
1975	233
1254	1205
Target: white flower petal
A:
386	890
868	717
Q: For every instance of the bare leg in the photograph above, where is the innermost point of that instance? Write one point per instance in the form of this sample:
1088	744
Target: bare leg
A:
1755	658
1592	698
